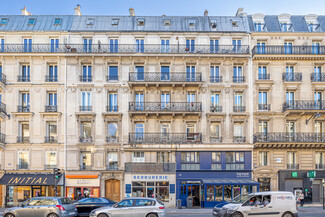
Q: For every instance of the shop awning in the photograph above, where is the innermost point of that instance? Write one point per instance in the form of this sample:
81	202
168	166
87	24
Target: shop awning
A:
229	182
28	179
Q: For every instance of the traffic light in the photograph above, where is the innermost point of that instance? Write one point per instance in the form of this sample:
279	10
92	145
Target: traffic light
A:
57	173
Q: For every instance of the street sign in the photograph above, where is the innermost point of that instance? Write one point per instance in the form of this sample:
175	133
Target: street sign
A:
294	174
311	174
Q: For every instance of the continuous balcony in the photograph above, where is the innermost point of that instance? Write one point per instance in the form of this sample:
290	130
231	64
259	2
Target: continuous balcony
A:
22	108
274	137
162	138
288	50
150	167
23	78
292	77
3	78
127	48
317	77
303	105
50	78
163	108
51	108
50	139
21	139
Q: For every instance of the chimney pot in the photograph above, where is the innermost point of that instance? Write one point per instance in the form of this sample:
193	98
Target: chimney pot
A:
206	12
24	12
131	10
77	10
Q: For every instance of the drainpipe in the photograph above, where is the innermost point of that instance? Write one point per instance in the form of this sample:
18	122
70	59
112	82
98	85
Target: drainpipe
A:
65	125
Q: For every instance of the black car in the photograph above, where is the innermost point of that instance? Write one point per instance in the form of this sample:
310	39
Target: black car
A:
86	205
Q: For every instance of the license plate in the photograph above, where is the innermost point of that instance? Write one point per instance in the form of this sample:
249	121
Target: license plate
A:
72	213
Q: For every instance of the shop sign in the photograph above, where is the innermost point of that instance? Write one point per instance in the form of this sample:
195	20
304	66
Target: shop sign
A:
82	182
294	174
128	188
150	177
242	175
311	174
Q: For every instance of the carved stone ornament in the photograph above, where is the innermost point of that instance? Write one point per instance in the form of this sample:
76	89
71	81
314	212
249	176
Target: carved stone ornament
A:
112	61
23	60
227	90
99	90
51	61
85	60
83	118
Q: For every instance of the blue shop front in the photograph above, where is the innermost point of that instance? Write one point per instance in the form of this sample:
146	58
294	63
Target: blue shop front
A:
211	178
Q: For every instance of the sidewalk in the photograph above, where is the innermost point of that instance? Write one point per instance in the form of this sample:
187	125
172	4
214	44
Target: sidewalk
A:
189	211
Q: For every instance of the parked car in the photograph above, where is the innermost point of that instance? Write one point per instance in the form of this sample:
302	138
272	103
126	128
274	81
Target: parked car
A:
275	203
86	205
43	207
138	206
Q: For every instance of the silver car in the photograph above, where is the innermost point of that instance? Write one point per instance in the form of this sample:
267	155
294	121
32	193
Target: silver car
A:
132	207
43	207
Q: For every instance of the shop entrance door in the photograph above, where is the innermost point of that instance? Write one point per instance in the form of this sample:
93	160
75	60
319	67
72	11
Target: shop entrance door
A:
112	189
191	190
36	191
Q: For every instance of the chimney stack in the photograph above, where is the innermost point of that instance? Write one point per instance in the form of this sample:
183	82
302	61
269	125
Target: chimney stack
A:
24	12
240	13
77	10
131	10
206	13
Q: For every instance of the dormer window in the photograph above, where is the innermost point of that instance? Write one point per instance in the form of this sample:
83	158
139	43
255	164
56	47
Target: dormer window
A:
167	22
259	27
313	27
115	22
57	21
286	27
31	21
191	23
234	23
4	21
90	21
213	24
140	22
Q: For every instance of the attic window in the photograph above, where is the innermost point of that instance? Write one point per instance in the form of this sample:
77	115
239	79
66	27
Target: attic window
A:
191	23
115	22
140	22
313	27
31	21
213	24
4	21
57	21
234	23
90	21
167	22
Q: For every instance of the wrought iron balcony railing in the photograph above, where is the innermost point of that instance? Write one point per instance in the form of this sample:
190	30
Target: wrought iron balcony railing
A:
84	108
51	139
216	108
320	166
150	167
289	137
168	107
3	108
51	78
164	138
317	77
111	78
215	79
49	166
165	77
126	48
23	78
112	167
239	108
264	107
112	108
295	50
83	78
294	76
3	78
23	108
112	139
263	76
293	166
2	138
215	139
51	108
85	139
238	79
303	105
21	139
239	139
22	166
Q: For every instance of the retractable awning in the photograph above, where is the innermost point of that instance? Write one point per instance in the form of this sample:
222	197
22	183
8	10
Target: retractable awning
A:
28	179
229	182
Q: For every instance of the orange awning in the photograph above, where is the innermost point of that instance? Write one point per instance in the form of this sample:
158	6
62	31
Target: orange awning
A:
81	176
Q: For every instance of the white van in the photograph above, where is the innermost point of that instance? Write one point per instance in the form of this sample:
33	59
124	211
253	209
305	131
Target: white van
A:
271	204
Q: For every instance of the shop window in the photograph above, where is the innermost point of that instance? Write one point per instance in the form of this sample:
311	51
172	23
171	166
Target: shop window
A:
138	157
235	161
227	193
216	161
190	160
159	190
265	184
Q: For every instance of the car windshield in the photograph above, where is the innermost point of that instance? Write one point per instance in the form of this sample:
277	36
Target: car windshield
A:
241	199
92	200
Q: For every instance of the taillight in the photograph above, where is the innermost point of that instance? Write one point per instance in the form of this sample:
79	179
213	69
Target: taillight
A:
61	208
161	207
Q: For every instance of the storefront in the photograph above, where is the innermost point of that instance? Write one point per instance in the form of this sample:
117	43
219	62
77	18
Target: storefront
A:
160	186
82	185
20	187
297	181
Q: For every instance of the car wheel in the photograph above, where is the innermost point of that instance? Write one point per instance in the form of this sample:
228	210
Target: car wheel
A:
287	214
237	214
152	215
52	215
102	215
9	215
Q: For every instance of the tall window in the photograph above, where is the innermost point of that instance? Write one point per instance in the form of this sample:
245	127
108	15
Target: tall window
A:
25	73
214	46
291	127
164	129
139	45
190	45
139	70
86	73
263	158
165	46
85	135
112	160
113	45
190	73
51	132
139	132
50	159
88	45
51	102
165	73
236	45
260	46
263	128
238	132
319	160
2	79
214	74
53	73
316	47
24	132
138	157
139	101
215	102
85	161
235	161
262	73
112	73
318	73
163	157
28	45
190	132
190	160
290	96
112	132
239	99
54	45
112	102
238	74
23	159
318	129
214	131
85	101
291	160
262	101
2	45
216	161
165	100
288	47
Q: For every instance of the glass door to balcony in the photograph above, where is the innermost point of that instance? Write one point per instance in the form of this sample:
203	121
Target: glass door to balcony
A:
238	74
85	101
317	73
164	45
214	46
87	44
165	132
191	99
139	130
318	97
190	45
263	130
165	73
25	73
139	70
260	47
52	101
215	102
289	73
54	45
291	130
190	132
85	161
112	102
238	99
139	45
291	160
288	48
319	160
262	74
236	45
214	74
139	104
27	45
318	129
165	101
190	73
316	47
53	73
262	101
25	102
113	45
86	73
23	160
51	129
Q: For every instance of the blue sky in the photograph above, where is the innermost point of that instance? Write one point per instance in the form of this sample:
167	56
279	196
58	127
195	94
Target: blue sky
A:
160	7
